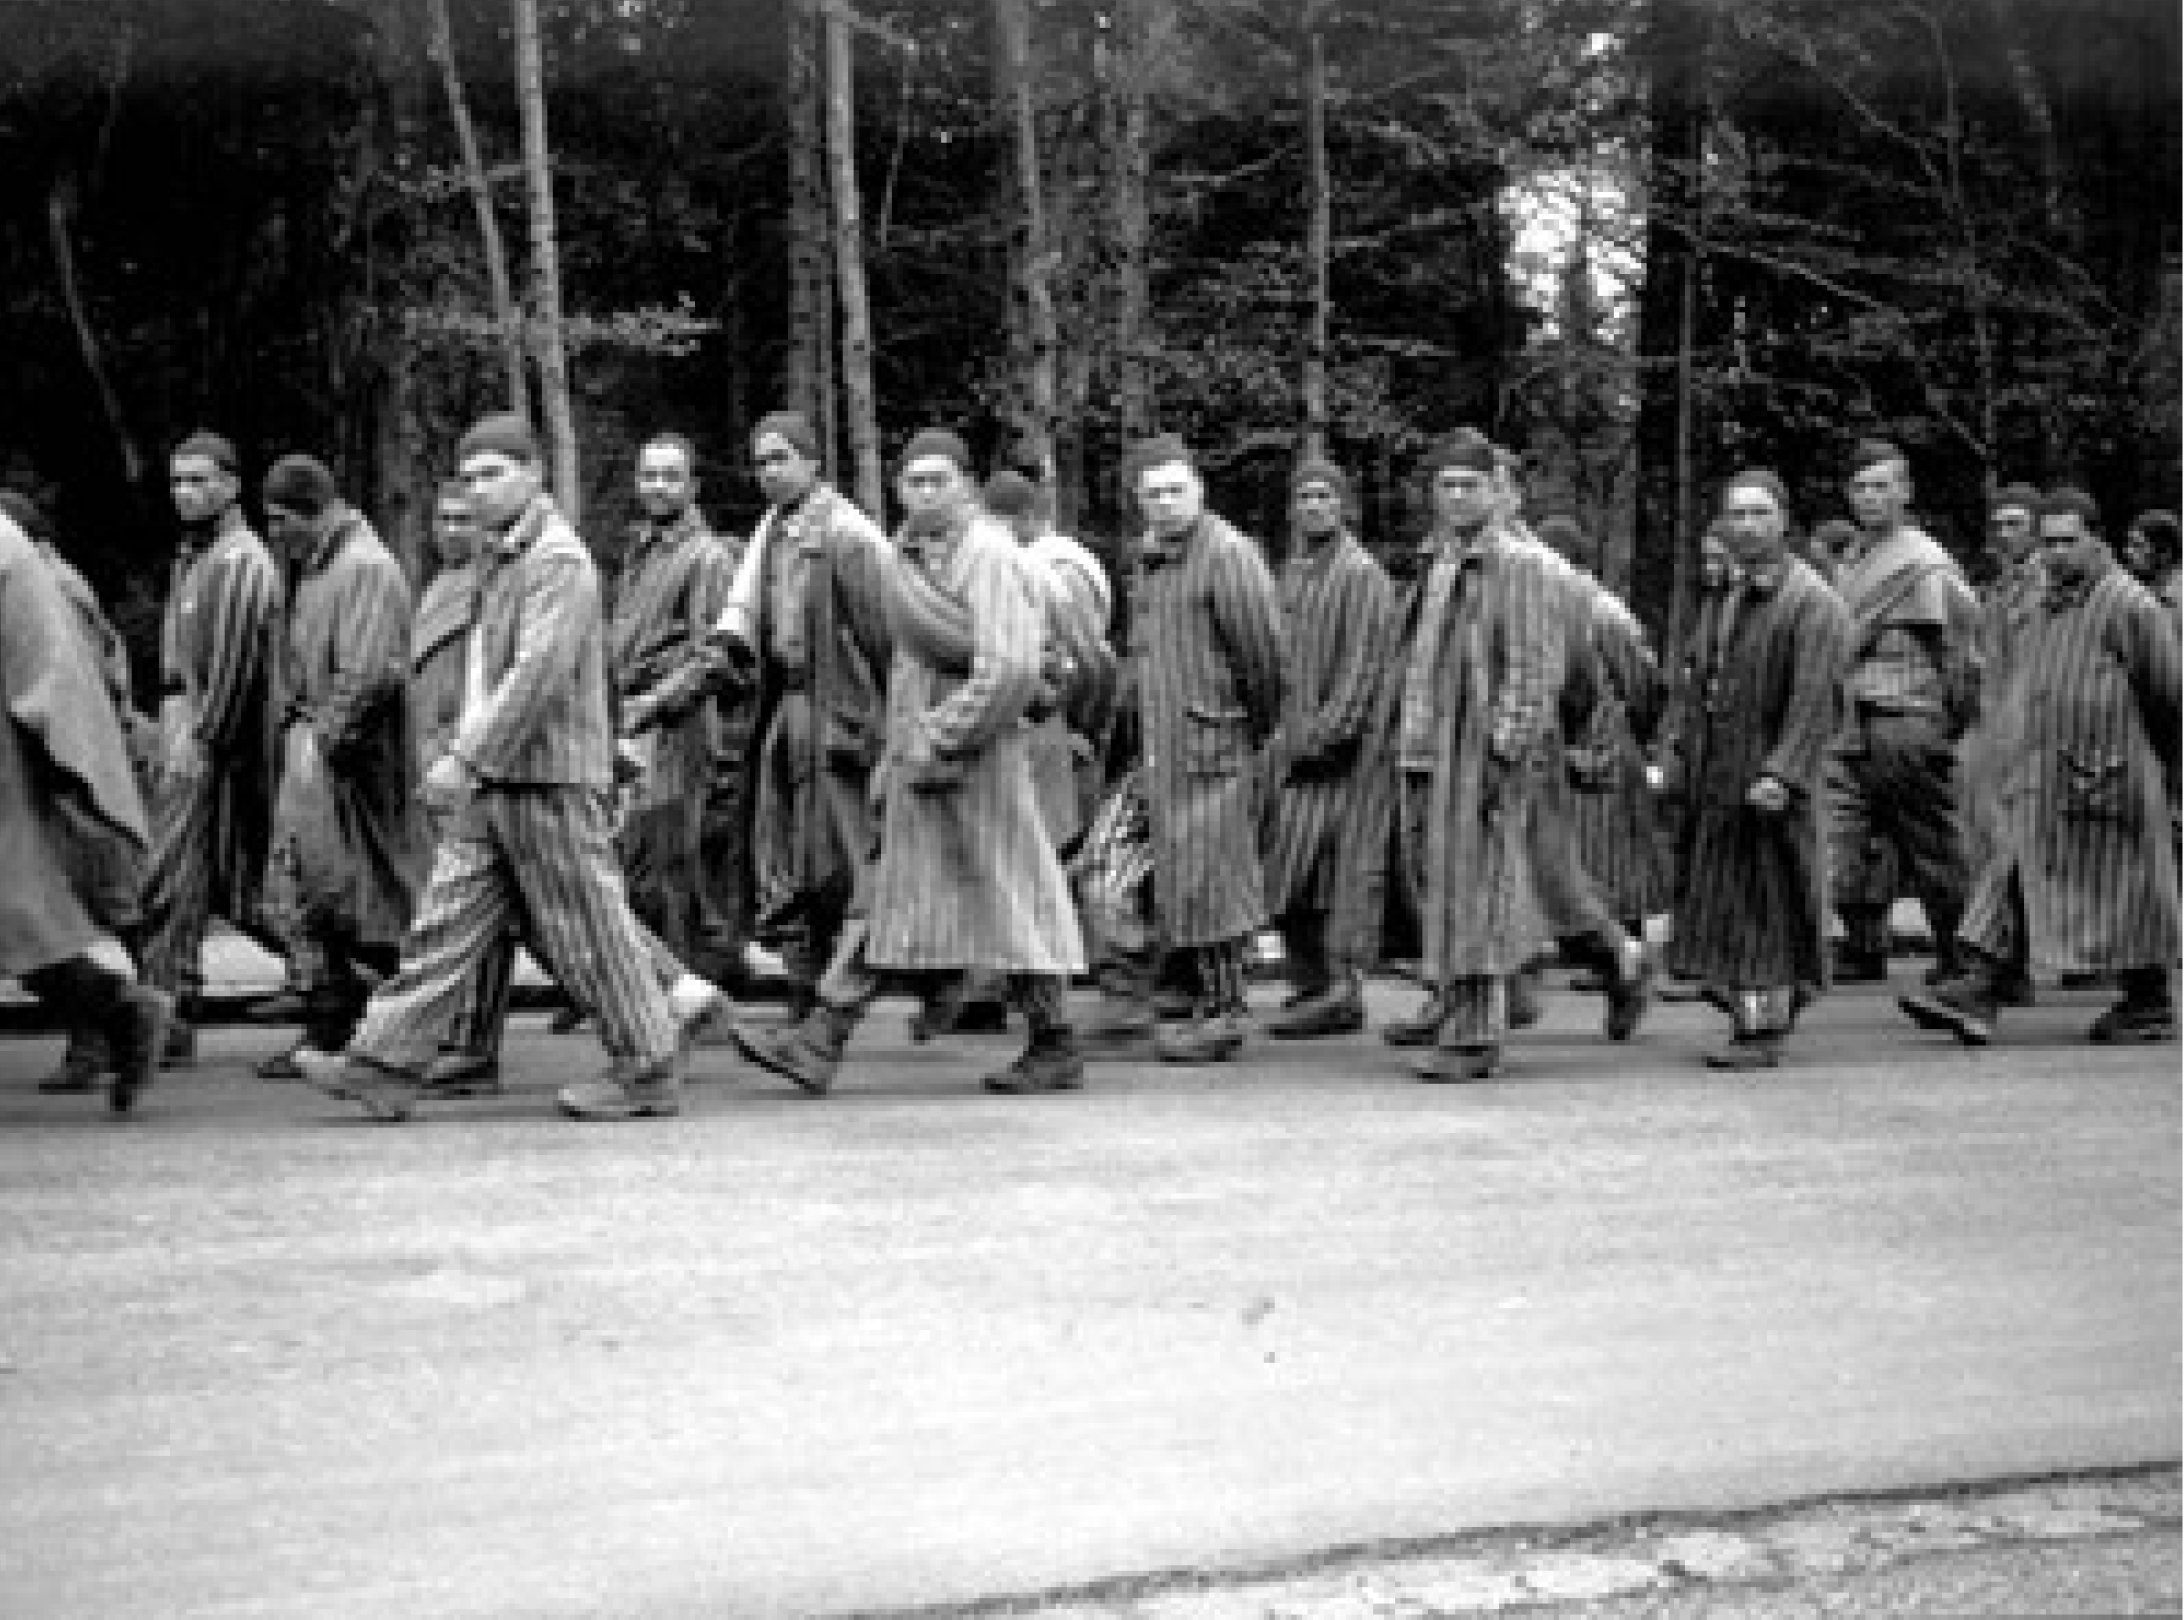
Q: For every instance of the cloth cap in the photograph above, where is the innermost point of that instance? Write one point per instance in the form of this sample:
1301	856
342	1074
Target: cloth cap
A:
2067	501
1872	452
1759	478
216	448
1011	495
1561	532
1465	450
934	441
300	484
1318	470
503	433
1160	450
2018	497
794	426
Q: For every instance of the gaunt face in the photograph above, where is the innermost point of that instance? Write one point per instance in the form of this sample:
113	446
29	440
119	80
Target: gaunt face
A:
500	487
1464	496
1171	497
1880	495
784	472
666	482
1317	508
931	484
202	489
1756	523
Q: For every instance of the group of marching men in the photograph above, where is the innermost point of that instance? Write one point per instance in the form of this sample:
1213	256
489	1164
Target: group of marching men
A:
892	754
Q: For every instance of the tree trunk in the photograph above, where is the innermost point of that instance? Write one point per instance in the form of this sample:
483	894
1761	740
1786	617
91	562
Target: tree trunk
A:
1674	51
507	320
545	263
864	421
811	307
60	230
1033	340
1318	235
1138	23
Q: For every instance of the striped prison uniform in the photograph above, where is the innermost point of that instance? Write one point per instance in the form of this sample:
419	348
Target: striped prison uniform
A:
535	841
1337	606
1618	835
1206	653
2084	874
211	834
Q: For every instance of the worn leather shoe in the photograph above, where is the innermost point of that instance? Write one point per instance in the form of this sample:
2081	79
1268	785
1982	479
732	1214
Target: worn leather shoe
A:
1422	1028
384	1094
653	1092
1214	1038
808	1054
1746	1052
1049	1063
1118	1023
280	1066
2129	1022
1455	1065
1338	1010
1962	1008
461	1074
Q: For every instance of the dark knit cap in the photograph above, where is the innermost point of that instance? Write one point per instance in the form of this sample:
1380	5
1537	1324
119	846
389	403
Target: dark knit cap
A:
1465	450
1011	495
2017	497
1872	453
794	426
300	484
2066	500
26	514
1161	450
1758	478
503	433
935	441
1318	470
214	447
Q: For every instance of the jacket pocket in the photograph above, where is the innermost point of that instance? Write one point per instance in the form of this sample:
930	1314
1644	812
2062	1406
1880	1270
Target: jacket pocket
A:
1216	742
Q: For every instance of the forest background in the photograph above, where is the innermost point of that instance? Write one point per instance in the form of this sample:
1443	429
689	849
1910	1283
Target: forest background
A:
1646	241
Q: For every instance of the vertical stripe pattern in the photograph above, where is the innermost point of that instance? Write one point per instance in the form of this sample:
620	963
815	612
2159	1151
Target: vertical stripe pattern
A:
1207	652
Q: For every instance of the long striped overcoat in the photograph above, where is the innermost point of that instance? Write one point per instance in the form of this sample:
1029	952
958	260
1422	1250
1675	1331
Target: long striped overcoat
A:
1337	607
1499	656
1369	861
967	875
1612	810
1752	910
1206	656
351	817
438	648
2085	820
2007	610
219	643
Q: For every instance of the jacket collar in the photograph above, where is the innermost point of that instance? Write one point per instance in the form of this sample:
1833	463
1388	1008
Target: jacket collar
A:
522	534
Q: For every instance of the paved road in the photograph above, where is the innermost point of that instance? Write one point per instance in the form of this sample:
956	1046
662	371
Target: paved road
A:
913	1345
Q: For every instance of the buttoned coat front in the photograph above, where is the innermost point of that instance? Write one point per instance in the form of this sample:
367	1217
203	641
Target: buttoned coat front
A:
1206	659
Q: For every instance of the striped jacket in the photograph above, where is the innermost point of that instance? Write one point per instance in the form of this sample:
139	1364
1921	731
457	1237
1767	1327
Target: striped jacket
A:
1612	809
670	588
2085	822
539	652
1206	661
1752	908
1337	608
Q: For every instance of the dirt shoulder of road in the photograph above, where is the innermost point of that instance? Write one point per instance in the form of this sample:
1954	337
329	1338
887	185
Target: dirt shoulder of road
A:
2019	1547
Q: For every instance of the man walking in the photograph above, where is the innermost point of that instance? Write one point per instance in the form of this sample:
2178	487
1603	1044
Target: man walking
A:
2084	876
1911	689
525	783
805	633
1205	667
72	839
671	588
1478	691
217	647
967	880
1337	604
349	849
1751	915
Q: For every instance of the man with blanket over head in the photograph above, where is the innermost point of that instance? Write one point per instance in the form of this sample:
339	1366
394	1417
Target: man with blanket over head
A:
1912	690
967	879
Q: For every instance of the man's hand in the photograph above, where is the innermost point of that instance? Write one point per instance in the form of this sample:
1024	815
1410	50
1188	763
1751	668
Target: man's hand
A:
1768	796
186	759
449	784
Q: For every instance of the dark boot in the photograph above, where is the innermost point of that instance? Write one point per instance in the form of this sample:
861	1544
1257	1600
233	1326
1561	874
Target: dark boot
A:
85	1059
1050	1060
2147	1011
1337	1009
136	1034
1755	1039
1212	1037
1630	992
1861	955
807	1054
1966	1006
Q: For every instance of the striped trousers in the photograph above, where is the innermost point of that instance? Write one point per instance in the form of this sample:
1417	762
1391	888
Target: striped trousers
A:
191	875
539	859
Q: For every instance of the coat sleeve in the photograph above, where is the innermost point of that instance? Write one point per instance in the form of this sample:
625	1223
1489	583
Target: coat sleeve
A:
689	678
1247	621
860	555
1361	624
242	608
2148	652
1811	713
559	603
1536	655
370	655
